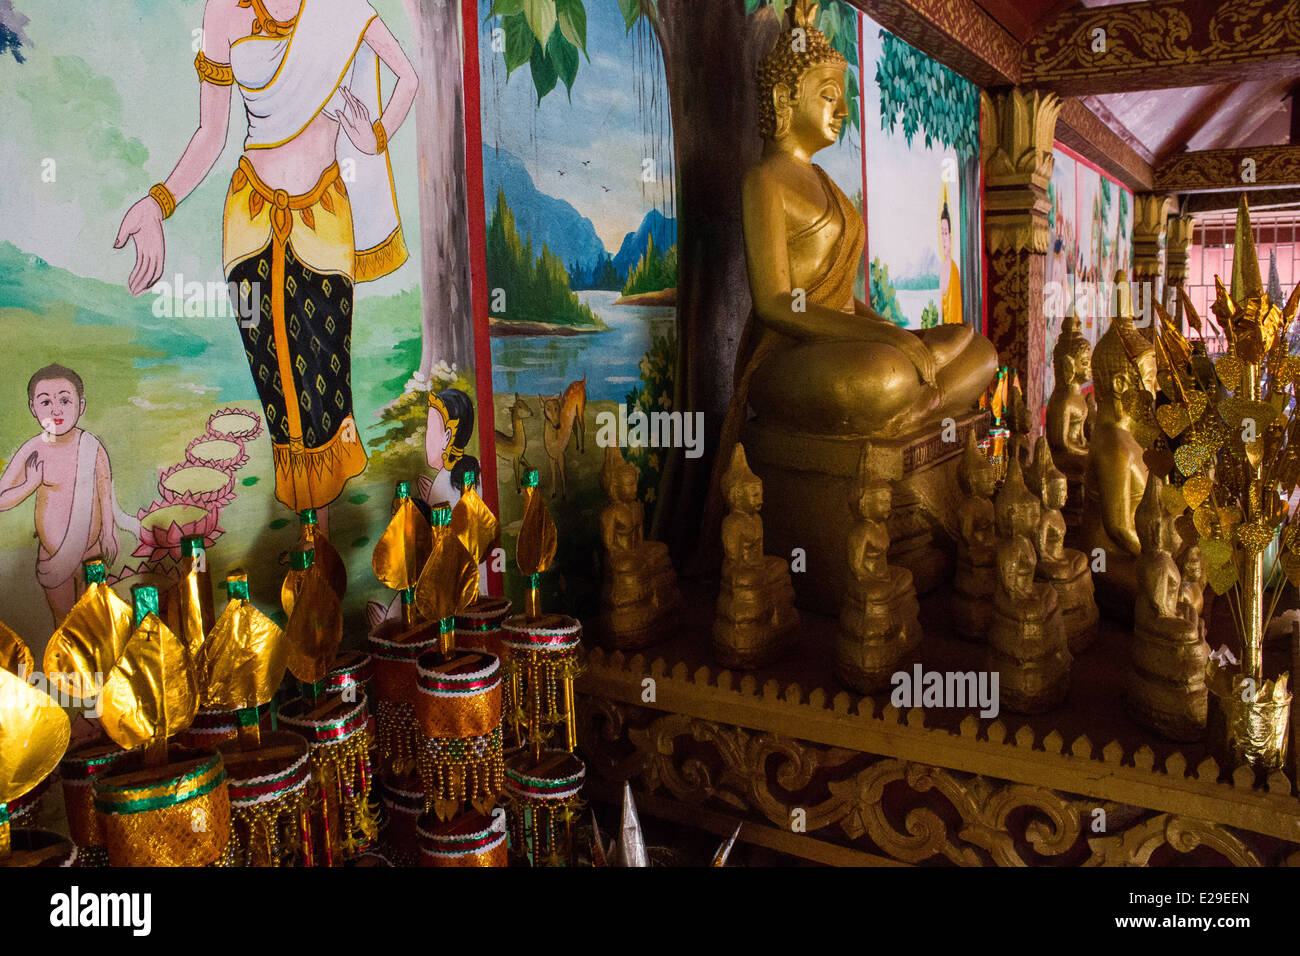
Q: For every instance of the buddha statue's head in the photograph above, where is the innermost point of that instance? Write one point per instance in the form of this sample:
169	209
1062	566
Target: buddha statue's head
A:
743	488
1016	510
975	472
1123	363
1055	488
1072	356
618	476
801	85
1150	521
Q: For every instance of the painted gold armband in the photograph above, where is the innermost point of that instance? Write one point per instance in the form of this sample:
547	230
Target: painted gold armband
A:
219	74
164	198
381	137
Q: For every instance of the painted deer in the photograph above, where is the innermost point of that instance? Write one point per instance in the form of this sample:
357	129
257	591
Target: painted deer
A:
511	446
561	414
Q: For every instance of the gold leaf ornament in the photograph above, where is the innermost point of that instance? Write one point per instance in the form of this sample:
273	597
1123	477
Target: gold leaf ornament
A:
1190	459
535	549
315	628
1196	489
91	638
152	692
1222	578
15	656
404	546
243	660
1172	497
1228	368
1289	561
34	734
1173	419
473	522
1215	552
1254	537
449	582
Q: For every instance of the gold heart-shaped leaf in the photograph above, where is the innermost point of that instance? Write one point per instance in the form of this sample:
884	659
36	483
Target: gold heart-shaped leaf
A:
1173	419
243	660
1215	552
88	642
1196	489
403	547
449	582
315	628
1254	537
152	692
1222	578
1172	497
34	733
1228	368
1290	563
1159	460
15	656
1192	458
473	522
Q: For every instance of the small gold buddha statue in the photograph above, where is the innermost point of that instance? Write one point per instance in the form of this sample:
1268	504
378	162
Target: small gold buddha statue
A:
1123	377
1191	594
818	367
1065	569
1067	409
975	580
878	625
756	619
1027	643
1019	423
639	600
1166	689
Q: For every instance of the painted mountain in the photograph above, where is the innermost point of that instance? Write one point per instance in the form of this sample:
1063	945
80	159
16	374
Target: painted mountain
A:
568	233
634	243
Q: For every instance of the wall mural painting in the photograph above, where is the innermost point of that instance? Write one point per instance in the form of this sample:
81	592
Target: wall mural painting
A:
1091	237
132	420
923	186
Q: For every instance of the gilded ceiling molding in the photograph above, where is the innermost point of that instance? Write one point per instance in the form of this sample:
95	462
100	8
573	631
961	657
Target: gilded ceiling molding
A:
1018	132
1162	44
1216	169
1080	129
957	33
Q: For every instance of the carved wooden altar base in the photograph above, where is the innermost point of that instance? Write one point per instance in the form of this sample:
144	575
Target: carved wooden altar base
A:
807	486
826	775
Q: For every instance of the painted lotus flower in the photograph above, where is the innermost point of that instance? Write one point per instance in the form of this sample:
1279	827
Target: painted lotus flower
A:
165	524
234	423
225	454
202	483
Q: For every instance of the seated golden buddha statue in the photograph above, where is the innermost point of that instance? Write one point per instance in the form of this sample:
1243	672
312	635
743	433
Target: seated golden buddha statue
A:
756	618
1123	378
1065	569
818	367
639	600
975	580
1027	643
1166	686
879	625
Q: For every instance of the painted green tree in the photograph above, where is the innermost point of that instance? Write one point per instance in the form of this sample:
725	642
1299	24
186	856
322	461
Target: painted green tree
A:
654	270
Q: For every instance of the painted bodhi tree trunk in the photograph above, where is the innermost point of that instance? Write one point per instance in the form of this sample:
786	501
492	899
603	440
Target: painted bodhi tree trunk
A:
448	319
711	52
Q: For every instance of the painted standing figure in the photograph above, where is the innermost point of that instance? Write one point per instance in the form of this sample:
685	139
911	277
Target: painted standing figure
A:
295	238
77	514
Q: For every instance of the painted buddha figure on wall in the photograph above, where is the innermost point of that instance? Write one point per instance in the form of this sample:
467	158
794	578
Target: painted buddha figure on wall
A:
815	358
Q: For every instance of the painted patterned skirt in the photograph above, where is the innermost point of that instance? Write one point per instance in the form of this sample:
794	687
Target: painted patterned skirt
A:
294	255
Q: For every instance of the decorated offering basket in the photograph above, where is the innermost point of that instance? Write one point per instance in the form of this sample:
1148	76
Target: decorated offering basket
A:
78	770
174	815
212	728
395	671
541	666
337	733
270	825
403	801
471	839
352	669
478	627
543	799
459	712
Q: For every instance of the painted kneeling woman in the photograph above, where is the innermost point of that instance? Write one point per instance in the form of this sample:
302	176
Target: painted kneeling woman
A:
295	238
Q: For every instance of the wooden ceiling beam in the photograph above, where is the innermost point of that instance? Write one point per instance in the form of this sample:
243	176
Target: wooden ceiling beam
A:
957	33
1162	44
1222	169
1084	132
1259	198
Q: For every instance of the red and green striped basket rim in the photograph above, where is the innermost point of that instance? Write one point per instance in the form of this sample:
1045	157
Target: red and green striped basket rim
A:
451	847
350	675
394	651
332	730
481	680
265	787
223	721
194	783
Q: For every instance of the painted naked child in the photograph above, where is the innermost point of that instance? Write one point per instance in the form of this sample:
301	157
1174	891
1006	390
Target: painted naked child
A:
77	516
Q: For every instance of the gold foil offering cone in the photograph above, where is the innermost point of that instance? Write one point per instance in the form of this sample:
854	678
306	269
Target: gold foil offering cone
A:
34	733
535	549
191	608
449	582
91	638
473	522
15	657
405	545
327	559
151	693
315	627
243	660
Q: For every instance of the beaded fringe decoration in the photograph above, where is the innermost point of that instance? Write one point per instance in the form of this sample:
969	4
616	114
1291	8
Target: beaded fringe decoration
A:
341	779
535	685
457	770
543	830
397	733
269	834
